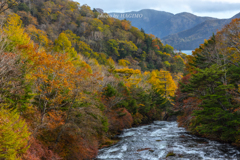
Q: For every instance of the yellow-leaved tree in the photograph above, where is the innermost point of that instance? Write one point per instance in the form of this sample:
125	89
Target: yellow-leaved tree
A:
162	81
14	135
64	45
131	76
123	62
15	33
38	36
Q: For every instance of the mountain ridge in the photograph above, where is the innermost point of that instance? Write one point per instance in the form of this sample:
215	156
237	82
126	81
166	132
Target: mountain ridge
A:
191	38
173	29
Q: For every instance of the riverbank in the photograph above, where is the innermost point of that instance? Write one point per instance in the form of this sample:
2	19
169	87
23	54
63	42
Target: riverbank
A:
216	139
114	140
113	135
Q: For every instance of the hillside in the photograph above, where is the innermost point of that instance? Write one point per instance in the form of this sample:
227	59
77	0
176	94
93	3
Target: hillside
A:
150	19
191	38
70	81
115	38
162	23
209	92
177	23
178	30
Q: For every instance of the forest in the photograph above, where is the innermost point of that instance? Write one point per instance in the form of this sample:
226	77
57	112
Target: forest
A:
208	94
71	81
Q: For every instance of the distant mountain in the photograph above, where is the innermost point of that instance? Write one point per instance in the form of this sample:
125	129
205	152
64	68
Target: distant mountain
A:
162	23
150	18
191	38
177	23
236	16
183	31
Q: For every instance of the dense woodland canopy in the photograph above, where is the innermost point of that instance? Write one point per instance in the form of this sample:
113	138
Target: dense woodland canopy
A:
96	36
208	94
70	81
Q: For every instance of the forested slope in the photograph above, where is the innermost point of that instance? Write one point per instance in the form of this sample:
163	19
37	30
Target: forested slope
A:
97	34
161	23
208	94
70	82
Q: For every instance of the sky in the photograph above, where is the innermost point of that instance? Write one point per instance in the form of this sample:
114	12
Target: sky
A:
211	8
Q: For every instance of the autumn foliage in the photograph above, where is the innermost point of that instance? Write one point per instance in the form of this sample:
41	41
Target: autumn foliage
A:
208	94
119	119
70	81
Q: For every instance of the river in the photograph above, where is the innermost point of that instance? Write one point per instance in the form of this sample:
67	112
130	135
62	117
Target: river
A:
155	141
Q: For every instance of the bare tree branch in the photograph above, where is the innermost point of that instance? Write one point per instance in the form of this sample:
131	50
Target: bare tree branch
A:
6	4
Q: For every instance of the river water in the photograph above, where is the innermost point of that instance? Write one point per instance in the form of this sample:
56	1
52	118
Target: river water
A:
155	141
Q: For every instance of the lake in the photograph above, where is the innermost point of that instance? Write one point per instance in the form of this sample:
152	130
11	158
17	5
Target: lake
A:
188	52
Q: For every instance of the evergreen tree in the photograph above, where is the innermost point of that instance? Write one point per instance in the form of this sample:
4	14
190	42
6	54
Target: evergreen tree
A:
216	115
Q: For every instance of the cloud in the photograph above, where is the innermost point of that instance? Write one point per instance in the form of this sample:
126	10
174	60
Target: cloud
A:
228	1
173	6
215	7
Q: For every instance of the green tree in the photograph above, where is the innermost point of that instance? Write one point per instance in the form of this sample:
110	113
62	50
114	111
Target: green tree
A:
112	48
14	135
127	48
168	48
64	45
15	32
216	115
23	7
136	32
